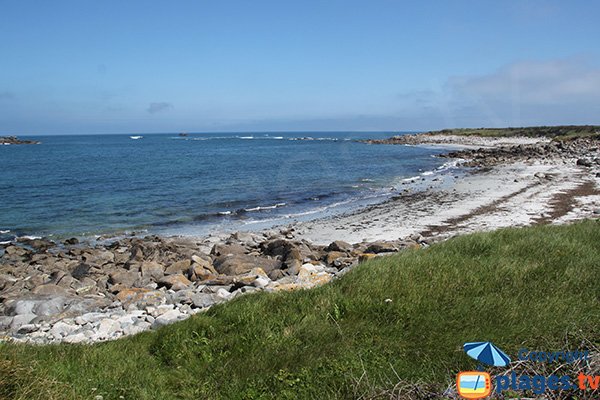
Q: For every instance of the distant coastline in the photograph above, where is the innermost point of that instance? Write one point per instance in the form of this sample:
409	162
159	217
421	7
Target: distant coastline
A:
8	140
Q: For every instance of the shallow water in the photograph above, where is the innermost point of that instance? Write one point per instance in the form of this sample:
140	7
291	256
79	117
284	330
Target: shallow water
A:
109	184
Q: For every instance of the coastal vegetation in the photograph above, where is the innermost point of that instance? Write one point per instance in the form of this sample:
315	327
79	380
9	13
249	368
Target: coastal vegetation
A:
565	132
393	323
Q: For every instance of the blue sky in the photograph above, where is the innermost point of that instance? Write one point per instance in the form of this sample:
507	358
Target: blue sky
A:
167	66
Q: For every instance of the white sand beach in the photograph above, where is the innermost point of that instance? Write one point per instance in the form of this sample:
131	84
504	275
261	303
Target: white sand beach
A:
517	194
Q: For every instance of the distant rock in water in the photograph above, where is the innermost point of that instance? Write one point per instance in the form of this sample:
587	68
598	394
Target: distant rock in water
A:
14	140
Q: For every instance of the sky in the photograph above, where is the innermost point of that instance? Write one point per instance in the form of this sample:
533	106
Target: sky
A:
113	66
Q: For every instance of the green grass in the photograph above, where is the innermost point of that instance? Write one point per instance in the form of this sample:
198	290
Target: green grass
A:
515	287
567	132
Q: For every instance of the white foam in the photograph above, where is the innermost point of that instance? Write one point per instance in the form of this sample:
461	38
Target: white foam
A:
5	231
7	242
224	213
410	179
258	208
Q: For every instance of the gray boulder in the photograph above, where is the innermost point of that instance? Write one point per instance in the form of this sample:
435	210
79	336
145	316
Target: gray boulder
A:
20	307
61	329
242	263
227	249
107	328
168	318
99	257
179	267
277	247
50	290
203	300
136	328
76	338
20	320
381	247
340	245
80	271
174	282
152	269
5	322
124	277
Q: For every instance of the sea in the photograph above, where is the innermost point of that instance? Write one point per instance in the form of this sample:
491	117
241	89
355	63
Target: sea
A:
109	185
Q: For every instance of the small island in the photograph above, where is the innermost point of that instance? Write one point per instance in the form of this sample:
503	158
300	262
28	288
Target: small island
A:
5	140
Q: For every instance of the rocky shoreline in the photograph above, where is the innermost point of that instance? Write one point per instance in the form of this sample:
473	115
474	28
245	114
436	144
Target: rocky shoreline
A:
8	140
486	152
81	292
55	292
476	142
586	152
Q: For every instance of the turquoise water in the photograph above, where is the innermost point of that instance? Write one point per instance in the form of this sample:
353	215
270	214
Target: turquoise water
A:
110	184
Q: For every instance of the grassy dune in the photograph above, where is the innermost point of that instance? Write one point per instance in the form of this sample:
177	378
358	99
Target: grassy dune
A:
516	287
566	132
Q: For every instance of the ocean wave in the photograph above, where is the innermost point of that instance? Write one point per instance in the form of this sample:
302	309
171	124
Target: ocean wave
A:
5	242
259	208
444	167
29	237
305	213
238	212
318	138
253	137
197	138
260	137
4	231
309	207
227	138
450	164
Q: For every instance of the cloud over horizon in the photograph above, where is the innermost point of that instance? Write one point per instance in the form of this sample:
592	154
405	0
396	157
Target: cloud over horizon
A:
529	92
534	82
154	108
6	95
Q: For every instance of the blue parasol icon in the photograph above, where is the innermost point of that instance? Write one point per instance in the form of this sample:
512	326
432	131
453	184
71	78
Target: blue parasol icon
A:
487	353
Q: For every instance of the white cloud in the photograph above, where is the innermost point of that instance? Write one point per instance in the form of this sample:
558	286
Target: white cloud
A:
7	96
154	108
534	83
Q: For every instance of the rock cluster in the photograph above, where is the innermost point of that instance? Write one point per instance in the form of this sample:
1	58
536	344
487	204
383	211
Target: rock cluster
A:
586	152
15	140
412	139
78	292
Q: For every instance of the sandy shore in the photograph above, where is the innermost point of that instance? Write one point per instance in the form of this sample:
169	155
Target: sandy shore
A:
552	190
